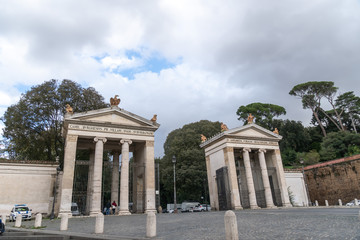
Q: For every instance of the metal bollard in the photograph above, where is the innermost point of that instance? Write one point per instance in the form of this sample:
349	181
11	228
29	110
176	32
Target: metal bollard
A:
18	220
231	230
151	225
64	222
99	225
38	220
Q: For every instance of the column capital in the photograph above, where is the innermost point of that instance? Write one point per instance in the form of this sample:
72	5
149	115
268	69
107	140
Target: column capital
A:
246	149
262	150
71	138
96	139
122	141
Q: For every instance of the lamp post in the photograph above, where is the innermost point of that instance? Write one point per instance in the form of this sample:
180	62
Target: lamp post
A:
52	215
174	162
307	190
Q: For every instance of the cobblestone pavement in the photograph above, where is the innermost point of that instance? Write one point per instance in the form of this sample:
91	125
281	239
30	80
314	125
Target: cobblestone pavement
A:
293	223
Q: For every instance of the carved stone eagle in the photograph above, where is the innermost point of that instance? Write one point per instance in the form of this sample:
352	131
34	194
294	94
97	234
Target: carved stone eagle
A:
114	101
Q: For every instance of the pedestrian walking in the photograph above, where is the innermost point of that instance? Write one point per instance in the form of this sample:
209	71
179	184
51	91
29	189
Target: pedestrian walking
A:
113	206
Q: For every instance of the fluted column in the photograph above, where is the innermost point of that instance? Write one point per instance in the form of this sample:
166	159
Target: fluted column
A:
281	178
149	177
249	179
97	176
124	181
265	177
68	175
90	179
115	178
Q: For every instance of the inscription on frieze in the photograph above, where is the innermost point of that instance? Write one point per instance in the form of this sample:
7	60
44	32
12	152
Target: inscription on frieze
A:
109	130
256	142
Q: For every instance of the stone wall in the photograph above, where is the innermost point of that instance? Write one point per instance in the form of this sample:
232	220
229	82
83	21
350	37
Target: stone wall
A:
333	180
28	183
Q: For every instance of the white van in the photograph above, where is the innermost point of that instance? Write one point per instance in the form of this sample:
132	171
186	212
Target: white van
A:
75	209
188	206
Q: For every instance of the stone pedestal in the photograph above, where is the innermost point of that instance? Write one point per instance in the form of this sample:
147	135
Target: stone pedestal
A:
151	225
99	223
64	222
231	229
38	220
18	220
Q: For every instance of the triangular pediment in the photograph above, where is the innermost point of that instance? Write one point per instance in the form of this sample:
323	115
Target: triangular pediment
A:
112	115
252	131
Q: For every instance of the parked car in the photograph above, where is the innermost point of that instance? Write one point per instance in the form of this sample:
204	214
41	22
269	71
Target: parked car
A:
202	208
75	209
188	206
352	203
20	209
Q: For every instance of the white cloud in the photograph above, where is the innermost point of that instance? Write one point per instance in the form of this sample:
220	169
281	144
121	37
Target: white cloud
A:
232	52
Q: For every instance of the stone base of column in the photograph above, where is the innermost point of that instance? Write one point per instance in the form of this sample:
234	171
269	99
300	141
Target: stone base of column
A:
94	214
271	206
150	210
65	212
124	212
238	208
287	205
255	207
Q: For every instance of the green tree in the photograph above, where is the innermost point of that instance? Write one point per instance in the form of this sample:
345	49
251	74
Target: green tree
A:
311	94
295	139
349	105
339	144
191	177
33	125
263	113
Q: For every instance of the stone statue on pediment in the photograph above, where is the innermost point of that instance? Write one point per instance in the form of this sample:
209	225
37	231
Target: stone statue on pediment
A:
114	101
276	131
154	118
203	138
250	118
224	127
69	109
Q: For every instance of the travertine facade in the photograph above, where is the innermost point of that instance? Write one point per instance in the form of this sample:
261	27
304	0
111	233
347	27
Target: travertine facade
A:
254	176
121	132
27	183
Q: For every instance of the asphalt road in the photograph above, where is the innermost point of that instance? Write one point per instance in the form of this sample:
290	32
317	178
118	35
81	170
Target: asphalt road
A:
281	223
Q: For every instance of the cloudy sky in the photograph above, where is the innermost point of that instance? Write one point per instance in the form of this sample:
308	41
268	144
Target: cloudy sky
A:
184	60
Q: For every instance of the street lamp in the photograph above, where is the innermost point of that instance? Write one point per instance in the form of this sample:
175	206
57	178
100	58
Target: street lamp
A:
307	190
174	162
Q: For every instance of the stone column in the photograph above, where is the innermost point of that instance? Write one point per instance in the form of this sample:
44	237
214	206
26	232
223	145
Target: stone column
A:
115	178
234	186
124	181
149	177
265	177
210	182
95	208
281	178
90	180
68	174
249	179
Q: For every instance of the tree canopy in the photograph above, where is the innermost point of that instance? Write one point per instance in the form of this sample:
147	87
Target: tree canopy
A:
191	178
263	113
33	125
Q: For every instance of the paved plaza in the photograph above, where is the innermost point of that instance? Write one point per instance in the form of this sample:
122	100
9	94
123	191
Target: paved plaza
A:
293	223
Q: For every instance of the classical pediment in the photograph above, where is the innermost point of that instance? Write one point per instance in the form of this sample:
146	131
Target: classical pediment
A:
112	115
252	131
